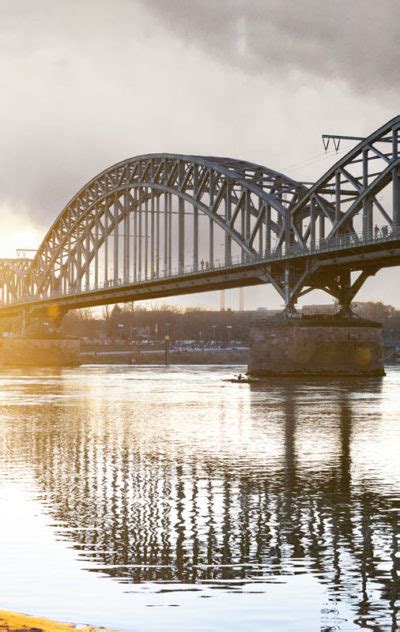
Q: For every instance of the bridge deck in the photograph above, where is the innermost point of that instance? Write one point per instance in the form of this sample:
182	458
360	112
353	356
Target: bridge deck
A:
348	253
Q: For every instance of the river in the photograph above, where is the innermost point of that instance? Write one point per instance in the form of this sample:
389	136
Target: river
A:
150	499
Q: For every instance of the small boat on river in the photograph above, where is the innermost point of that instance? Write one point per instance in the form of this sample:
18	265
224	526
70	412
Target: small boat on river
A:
242	379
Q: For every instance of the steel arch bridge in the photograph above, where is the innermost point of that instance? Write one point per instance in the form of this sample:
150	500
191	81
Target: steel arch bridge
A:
164	224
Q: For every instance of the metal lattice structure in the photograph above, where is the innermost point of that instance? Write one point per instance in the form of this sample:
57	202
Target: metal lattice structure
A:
137	212
13	276
164	224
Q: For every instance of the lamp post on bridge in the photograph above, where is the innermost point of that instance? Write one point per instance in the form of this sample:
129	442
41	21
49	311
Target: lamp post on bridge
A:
229	332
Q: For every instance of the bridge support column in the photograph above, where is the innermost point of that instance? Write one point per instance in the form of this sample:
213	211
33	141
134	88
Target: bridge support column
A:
291	344
318	346
289	283
39	341
24	351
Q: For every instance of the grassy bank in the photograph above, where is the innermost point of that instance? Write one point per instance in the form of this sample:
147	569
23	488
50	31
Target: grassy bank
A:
15	622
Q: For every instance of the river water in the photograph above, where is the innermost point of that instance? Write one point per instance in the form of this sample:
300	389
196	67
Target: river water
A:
152	499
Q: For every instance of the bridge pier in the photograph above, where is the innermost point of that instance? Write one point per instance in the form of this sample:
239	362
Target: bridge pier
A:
20	351
323	345
319	346
37	341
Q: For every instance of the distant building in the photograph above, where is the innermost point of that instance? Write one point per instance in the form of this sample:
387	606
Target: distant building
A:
310	310
268	312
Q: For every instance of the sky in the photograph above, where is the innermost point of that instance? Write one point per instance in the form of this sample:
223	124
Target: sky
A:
88	83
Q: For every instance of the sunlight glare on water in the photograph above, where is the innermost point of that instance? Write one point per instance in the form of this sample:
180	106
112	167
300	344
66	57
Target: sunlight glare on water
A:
152	499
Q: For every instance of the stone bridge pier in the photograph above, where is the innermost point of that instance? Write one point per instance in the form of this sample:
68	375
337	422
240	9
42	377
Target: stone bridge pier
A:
37	341
321	345
316	346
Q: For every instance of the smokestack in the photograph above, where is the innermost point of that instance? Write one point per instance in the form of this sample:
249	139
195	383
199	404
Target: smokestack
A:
222	300
241	299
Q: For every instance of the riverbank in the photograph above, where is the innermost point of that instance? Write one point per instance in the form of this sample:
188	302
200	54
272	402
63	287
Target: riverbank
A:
15	622
12	353
100	355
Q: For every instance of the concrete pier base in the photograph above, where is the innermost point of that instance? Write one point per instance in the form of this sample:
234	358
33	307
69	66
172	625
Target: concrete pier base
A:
40	352
320	346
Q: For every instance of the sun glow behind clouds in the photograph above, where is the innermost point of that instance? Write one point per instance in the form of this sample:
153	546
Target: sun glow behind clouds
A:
17	231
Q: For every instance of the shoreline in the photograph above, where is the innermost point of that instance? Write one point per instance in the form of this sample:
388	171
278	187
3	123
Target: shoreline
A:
157	356
18	622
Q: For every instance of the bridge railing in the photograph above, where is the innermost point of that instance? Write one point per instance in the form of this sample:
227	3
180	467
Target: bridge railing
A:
382	234
336	243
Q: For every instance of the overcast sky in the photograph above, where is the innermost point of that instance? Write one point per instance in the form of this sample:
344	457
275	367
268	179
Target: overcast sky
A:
86	83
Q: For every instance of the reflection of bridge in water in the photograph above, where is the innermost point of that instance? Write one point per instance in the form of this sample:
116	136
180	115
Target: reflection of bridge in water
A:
186	508
164	224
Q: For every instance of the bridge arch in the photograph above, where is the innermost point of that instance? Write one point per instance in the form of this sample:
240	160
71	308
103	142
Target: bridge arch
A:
159	214
167	217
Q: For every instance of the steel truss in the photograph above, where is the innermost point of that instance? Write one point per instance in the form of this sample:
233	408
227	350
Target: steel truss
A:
13	275
155	220
352	209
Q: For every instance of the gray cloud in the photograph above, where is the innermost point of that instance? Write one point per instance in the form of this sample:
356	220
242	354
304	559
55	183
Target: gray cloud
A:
355	41
86	83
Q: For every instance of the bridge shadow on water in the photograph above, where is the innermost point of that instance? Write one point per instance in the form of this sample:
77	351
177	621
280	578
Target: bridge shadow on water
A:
270	480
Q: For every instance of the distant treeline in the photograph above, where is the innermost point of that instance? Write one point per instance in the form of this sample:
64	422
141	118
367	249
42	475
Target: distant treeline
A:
138	323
